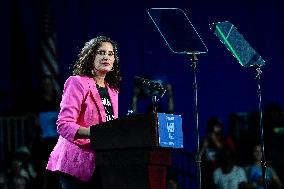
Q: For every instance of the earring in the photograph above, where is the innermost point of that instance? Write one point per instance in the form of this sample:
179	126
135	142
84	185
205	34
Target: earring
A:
93	73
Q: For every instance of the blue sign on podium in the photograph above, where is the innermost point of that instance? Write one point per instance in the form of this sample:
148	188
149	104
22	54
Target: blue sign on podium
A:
170	130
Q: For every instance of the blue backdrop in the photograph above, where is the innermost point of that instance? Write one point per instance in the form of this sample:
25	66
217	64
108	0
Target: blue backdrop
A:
224	86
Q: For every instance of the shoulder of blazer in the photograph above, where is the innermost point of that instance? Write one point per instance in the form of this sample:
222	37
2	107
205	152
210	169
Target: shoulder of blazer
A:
85	81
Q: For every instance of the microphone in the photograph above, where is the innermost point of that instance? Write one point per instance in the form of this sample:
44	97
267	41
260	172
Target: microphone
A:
149	84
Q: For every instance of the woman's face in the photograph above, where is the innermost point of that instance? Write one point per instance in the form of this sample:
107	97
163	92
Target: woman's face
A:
218	129
257	153
104	59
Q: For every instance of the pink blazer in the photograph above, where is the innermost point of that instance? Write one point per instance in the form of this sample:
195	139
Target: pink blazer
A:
81	105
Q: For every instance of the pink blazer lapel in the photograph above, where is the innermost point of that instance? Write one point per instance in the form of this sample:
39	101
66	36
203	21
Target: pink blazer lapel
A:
113	95
97	98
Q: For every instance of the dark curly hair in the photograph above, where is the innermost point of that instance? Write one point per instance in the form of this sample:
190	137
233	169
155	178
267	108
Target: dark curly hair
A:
84	64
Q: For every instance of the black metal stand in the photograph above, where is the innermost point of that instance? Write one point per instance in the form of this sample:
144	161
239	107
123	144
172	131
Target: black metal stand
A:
263	161
155	103
185	46
196	119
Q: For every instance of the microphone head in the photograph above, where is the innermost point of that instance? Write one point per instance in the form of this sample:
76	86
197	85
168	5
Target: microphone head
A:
155	88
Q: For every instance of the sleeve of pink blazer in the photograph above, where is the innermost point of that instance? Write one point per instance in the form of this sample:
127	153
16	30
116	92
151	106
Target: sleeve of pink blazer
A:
73	95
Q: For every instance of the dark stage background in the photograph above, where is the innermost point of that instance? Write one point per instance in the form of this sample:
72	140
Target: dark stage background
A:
224	86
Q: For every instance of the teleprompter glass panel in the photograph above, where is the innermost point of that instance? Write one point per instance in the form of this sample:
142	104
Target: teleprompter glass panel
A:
235	42
177	30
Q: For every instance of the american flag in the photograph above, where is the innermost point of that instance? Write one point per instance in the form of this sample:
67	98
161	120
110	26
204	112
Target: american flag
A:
48	51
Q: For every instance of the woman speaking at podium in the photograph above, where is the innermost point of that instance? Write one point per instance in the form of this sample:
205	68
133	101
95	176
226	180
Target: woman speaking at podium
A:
90	96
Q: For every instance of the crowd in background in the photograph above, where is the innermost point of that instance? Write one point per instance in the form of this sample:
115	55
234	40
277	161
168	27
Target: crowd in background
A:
242	158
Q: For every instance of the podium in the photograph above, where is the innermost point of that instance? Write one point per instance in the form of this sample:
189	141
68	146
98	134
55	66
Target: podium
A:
131	151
